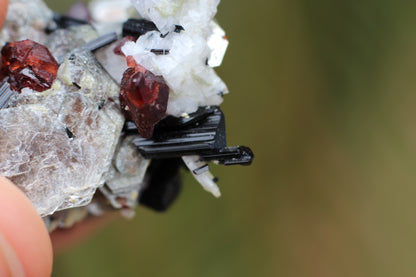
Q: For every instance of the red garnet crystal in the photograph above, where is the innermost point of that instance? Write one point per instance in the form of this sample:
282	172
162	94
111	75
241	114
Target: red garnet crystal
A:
143	97
28	64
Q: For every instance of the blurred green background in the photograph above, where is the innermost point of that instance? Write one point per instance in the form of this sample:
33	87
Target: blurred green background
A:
323	92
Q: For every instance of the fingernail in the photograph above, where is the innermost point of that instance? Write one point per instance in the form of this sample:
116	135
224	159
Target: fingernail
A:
10	265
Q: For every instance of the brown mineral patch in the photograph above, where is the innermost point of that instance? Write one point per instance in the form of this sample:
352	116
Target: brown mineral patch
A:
89	120
61	155
68	119
71	122
78	106
18	179
24	168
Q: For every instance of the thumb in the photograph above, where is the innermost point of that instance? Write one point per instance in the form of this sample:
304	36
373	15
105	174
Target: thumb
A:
25	246
3	10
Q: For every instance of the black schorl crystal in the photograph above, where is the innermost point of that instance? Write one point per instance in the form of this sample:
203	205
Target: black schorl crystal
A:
160	51
201	133
163	184
176	137
178	29
137	27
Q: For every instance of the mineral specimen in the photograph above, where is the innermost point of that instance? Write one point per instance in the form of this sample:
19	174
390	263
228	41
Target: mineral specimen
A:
69	148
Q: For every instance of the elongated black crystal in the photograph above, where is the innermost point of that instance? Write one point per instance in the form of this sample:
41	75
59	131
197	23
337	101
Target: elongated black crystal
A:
101	41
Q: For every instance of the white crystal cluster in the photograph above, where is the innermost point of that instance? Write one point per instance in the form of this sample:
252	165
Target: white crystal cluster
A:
193	15
191	81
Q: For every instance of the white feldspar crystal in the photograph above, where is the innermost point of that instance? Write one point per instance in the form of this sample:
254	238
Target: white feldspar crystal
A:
191	81
205	178
218	44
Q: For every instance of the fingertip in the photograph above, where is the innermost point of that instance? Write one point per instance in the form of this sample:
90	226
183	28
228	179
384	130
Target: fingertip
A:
4	4
24	231
63	239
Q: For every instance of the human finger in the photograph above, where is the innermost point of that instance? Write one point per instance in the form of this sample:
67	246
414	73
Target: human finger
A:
64	238
25	246
4	4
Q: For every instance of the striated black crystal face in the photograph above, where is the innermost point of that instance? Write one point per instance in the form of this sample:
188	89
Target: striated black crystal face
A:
201	133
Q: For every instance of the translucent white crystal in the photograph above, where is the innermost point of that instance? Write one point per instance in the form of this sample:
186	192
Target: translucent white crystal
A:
115	65
218	44
205	178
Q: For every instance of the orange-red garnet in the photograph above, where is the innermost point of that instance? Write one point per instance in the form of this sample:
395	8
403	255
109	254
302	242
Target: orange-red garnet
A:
143	97
28	64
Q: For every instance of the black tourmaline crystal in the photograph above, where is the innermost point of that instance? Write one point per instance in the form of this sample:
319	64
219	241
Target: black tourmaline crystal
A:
137	27
163	184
